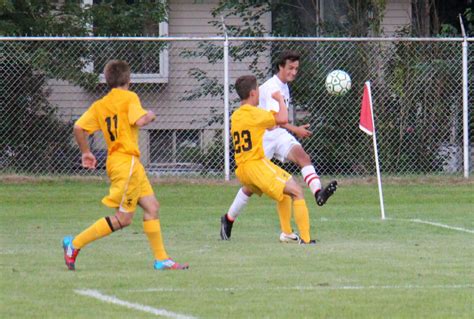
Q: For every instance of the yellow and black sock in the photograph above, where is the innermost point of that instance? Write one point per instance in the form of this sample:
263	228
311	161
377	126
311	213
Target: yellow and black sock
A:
284	212
302	219
99	229
152	229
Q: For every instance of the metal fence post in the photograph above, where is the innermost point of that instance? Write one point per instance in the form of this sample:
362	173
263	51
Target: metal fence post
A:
465	114
226	108
465	88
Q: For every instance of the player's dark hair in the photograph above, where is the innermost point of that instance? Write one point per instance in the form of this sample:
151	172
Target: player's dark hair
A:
244	84
284	56
117	73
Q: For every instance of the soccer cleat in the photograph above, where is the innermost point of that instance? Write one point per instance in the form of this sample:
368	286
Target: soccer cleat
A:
289	238
70	253
311	242
324	193
226	227
169	264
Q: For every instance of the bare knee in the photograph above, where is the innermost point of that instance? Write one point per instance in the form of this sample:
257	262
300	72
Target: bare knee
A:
303	159
299	156
151	211
247	191
294	190
298	193
122	220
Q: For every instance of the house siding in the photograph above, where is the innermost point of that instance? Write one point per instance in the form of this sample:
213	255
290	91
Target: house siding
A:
189	18
397	14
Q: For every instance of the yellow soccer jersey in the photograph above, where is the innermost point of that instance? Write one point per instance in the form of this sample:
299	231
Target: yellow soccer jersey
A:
248	124
115	115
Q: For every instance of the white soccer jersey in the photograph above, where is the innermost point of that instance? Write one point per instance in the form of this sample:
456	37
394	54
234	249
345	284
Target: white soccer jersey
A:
276	142
273	84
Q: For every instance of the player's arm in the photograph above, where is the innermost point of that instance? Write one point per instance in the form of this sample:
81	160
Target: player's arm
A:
137	115
281	117
146	119
88	159
300	131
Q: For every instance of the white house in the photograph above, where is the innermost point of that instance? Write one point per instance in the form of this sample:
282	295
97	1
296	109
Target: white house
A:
185	122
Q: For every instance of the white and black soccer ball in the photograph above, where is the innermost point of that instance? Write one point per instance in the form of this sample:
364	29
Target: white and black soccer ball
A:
338	82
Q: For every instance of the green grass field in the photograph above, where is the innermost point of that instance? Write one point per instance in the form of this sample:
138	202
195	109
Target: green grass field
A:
362	267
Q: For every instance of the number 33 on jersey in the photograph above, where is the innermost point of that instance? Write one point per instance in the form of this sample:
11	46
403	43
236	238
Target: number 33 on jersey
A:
248	125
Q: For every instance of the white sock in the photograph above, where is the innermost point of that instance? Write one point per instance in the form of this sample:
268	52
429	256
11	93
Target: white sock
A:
311	178
240	201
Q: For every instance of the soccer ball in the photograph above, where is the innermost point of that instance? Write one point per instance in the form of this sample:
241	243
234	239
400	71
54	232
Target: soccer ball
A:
338	82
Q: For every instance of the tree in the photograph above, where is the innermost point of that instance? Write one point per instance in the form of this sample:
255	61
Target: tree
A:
41	17
437	17
33	137
308	93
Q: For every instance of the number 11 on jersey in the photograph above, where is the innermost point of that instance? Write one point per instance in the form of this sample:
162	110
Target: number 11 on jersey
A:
112	131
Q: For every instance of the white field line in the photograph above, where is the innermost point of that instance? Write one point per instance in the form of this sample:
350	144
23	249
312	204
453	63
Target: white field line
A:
414	220
306	288
441	225
114	300
420	221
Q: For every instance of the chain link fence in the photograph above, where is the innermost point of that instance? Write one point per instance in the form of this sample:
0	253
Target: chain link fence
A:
416	85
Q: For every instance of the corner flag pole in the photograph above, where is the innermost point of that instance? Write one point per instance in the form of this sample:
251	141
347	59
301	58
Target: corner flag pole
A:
367	125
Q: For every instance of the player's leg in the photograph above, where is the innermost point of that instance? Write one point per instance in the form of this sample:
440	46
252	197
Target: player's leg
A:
284	212
281	148
300	210
272	148
284	209
123	197
227	220
101	228
240	201
298	156
279	185
152	229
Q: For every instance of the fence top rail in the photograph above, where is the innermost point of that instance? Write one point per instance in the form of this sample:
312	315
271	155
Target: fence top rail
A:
222	38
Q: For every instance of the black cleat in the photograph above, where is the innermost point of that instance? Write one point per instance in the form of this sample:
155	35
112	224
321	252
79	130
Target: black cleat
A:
226	227
324	193
311	242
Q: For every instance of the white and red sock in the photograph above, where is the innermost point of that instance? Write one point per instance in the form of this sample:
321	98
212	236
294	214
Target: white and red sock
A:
311	178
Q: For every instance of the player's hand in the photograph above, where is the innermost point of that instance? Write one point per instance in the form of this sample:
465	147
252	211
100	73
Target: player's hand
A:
88	160
278	97
152	115
302	131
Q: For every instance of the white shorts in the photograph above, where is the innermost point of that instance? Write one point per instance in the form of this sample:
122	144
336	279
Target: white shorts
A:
277	143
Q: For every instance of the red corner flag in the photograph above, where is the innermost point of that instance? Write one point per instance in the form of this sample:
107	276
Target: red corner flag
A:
366	122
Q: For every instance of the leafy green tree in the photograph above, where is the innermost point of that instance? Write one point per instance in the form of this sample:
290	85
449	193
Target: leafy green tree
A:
33	137
41	17
324	113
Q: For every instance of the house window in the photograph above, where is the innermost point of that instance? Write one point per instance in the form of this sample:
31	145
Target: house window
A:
148	59
175	146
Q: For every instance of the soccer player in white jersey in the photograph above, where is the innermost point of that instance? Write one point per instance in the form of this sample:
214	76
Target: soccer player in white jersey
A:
280	144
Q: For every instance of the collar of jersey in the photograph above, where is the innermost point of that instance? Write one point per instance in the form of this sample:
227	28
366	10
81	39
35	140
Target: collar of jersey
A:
119	90
280	83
